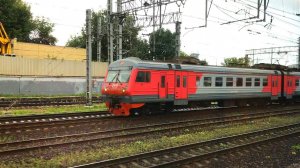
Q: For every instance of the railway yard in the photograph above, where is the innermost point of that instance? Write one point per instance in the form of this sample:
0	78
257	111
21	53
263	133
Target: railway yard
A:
189	137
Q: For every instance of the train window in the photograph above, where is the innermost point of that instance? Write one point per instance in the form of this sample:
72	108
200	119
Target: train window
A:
219	82
163	81
257	82
207	81
265	82
178	80
184	81
275	83
239	82
147	77
140	77
143	76
229	81
197	81
297	82
290	83
248	82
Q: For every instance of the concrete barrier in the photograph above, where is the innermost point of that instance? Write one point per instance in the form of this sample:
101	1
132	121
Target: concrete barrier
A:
46	86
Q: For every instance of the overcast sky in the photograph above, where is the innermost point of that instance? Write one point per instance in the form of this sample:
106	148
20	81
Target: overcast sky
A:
213	43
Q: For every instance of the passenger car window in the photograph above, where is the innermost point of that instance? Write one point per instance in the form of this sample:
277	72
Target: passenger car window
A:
297	82
178	81
239	82
197	81
265	82
257	82
184	81
207	81
290	83
248	82
229	81
143	76
219	82
162	81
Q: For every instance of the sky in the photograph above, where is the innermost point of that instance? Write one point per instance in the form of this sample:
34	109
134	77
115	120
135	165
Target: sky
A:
214	42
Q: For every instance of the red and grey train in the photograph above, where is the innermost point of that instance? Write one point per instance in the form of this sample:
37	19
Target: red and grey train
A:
135	86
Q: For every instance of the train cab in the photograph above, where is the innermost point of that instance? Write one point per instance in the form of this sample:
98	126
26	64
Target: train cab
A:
116	88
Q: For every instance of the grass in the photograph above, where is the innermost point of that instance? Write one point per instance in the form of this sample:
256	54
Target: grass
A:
52	110
108	152
295	149
5	138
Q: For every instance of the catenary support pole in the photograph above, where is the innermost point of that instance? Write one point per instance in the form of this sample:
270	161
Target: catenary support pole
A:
177	38
153	32
99	38
88	58
120	26
299	53
110	32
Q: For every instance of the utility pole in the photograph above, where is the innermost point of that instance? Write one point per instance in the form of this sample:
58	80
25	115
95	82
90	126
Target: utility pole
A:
110	32
299	53
160	21
120	25
99	37
177	39
88	57
153	32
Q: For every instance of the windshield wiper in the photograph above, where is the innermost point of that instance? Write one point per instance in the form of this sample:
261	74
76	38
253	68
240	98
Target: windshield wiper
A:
117	74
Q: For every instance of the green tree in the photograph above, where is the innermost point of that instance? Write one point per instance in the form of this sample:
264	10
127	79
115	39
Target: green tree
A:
17	19
164	44
77	41
236	62
183	54
18	22
132	45
42	32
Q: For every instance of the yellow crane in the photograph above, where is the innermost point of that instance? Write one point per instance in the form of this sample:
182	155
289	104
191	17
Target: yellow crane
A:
5	43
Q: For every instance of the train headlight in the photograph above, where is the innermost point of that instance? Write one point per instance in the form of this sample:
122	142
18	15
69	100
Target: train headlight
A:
123	90
105	89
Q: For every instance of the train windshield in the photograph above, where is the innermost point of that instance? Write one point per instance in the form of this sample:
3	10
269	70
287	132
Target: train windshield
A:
121	76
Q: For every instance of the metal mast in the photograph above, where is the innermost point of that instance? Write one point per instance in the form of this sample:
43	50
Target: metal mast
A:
88	57
110	32
120	26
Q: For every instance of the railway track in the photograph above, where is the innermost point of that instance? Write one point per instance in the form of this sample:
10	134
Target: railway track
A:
130	134
11	125
33	122
33	102
47	122
200	154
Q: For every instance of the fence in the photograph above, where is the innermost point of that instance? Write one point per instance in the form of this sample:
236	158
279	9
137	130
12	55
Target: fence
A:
18	66
40	51
37	86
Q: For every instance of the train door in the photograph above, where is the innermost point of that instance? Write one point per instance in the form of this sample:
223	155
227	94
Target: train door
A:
163	86
181	88
289	84
184	94
275	88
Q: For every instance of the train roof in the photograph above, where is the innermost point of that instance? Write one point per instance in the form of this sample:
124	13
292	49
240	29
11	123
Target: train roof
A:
295	73
138	63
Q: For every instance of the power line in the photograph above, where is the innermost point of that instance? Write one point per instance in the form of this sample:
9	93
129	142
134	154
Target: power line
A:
244	3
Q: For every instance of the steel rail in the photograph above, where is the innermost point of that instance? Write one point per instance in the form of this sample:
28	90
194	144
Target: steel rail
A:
29	102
